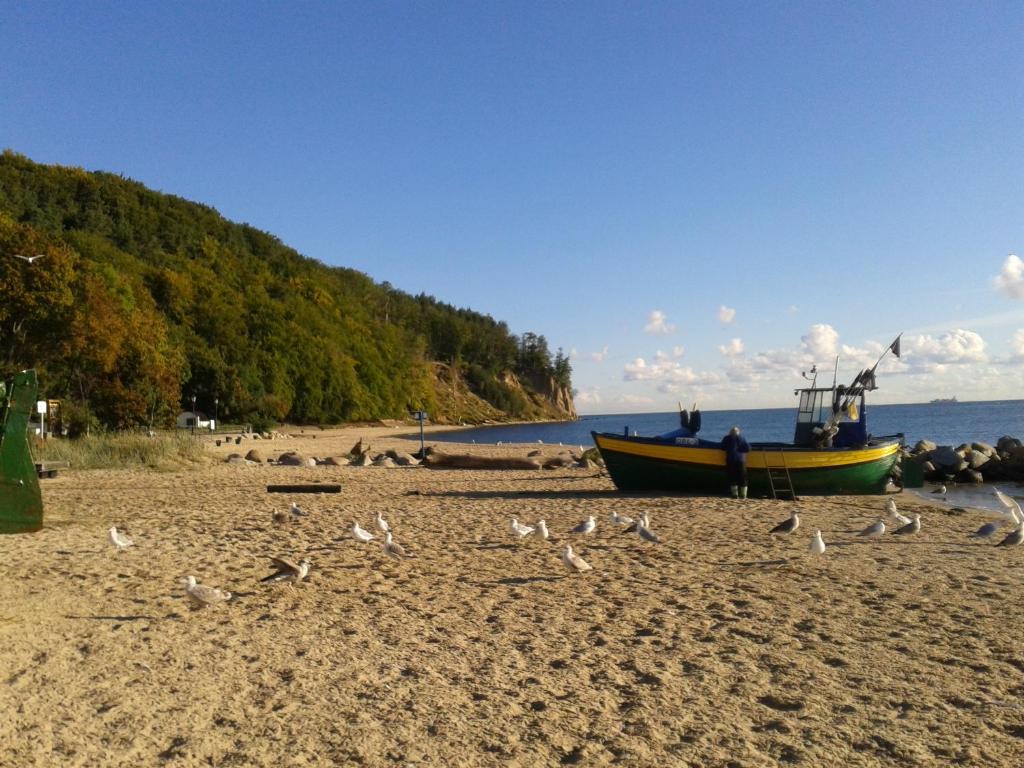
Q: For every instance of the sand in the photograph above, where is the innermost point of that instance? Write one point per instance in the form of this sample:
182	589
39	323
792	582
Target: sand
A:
720	647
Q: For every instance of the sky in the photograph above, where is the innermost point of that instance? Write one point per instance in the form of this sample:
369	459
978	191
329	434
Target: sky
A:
696	201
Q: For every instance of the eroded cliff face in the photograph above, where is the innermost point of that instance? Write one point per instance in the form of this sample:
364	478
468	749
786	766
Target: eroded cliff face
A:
538	399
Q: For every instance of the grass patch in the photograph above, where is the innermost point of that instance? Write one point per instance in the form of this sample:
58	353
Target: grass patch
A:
123	450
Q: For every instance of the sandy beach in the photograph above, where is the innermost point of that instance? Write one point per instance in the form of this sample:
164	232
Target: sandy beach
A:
722	646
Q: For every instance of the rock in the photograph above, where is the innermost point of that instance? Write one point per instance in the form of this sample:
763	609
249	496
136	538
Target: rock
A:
265	435
336	461
944	456
311	462
254	455
927	467
976	459
924	446
970	476
238	440
362	460
236	459
233	456
383	461
984	448
405	460
1006	443
963	448
586	463
291	459
557	462
535	453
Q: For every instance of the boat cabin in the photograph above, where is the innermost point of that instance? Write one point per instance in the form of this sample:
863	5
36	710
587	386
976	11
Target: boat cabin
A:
819	405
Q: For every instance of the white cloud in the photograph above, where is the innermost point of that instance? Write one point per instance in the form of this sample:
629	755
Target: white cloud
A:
732	349
952	348
587	397
1010	279
1017	343
821	341
667	372
635	400
657	322
598	357
726	314
678	351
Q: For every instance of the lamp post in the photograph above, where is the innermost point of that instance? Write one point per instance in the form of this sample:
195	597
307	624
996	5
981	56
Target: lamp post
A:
194	417
216	401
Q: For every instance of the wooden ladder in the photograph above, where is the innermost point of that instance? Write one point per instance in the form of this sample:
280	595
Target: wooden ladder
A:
780	482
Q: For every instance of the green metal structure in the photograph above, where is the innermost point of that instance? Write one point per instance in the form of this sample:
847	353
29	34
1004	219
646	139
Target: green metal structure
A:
21	503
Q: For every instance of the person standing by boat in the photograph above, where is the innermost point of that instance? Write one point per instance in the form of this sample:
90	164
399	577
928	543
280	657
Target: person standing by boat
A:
736	449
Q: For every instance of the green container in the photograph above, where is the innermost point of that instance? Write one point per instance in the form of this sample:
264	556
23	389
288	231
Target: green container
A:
21	502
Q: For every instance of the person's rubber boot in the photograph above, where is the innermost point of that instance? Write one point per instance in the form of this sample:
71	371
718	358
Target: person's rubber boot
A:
735	491
743	491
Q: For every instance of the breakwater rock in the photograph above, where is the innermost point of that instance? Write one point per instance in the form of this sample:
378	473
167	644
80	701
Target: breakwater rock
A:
971	462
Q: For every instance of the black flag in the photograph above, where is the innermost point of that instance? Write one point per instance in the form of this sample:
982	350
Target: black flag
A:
895	346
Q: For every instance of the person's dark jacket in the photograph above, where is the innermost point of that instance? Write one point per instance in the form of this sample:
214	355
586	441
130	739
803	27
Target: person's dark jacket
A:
736	448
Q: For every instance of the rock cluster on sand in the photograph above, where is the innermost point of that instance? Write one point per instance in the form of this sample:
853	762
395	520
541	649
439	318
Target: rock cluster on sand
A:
971	462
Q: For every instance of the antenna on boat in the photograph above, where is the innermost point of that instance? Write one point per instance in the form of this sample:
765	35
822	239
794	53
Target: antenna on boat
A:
814	370
835	372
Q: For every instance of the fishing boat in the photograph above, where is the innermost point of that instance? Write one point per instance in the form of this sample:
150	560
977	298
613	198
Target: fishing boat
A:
832	451
943	401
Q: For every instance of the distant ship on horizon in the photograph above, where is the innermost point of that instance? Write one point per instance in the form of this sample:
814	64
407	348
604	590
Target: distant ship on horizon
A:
943	400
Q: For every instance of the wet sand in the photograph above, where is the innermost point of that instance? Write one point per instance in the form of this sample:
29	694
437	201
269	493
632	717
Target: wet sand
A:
722	646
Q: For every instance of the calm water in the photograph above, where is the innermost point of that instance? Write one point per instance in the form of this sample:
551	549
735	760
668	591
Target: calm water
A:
942	423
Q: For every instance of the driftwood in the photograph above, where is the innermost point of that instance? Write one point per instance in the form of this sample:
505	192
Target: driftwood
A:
468	461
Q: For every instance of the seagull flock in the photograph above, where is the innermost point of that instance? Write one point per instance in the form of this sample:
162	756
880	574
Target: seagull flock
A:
910	525
289	572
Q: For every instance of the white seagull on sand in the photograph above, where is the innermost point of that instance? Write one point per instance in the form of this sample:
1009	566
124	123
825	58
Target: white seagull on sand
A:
890	507
288	571
941	489
587	526
618	519
647	534
633	527
573	561
1015	537
359	534
382	523
817	544
119	540
518	529
873	530
279	516
392	548
787	526
912	527
202	596
297	511
1013	510
541	530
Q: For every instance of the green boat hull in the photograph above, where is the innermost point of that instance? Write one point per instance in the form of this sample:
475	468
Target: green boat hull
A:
687	471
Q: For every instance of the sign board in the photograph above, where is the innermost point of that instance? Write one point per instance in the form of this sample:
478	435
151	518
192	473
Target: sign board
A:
419	415
40	406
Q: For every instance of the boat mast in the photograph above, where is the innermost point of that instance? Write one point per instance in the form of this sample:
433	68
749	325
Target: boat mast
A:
835	372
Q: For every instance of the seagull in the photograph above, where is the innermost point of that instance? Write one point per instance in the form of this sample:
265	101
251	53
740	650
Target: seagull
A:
890	507
297	511
634	526
817	544
618	519
202	595
541	530
873	530
29	259
359	534
288	571
392	548
1012	507
587	526
279	516
519	529
647	534
119	540
787	526
1015	537
941	489
912	527
987	530
382	524
573	561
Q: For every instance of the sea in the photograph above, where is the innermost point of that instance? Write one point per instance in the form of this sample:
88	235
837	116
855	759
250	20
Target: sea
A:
942	423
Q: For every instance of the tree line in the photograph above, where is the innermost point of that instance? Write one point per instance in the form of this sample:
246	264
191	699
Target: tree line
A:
143	300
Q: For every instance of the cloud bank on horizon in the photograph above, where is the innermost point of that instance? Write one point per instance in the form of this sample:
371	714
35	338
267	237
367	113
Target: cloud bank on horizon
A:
955	360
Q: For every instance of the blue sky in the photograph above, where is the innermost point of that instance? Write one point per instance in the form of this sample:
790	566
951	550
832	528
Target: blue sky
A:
759	185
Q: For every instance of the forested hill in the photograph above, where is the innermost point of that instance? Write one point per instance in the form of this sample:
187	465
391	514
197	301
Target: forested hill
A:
143	300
